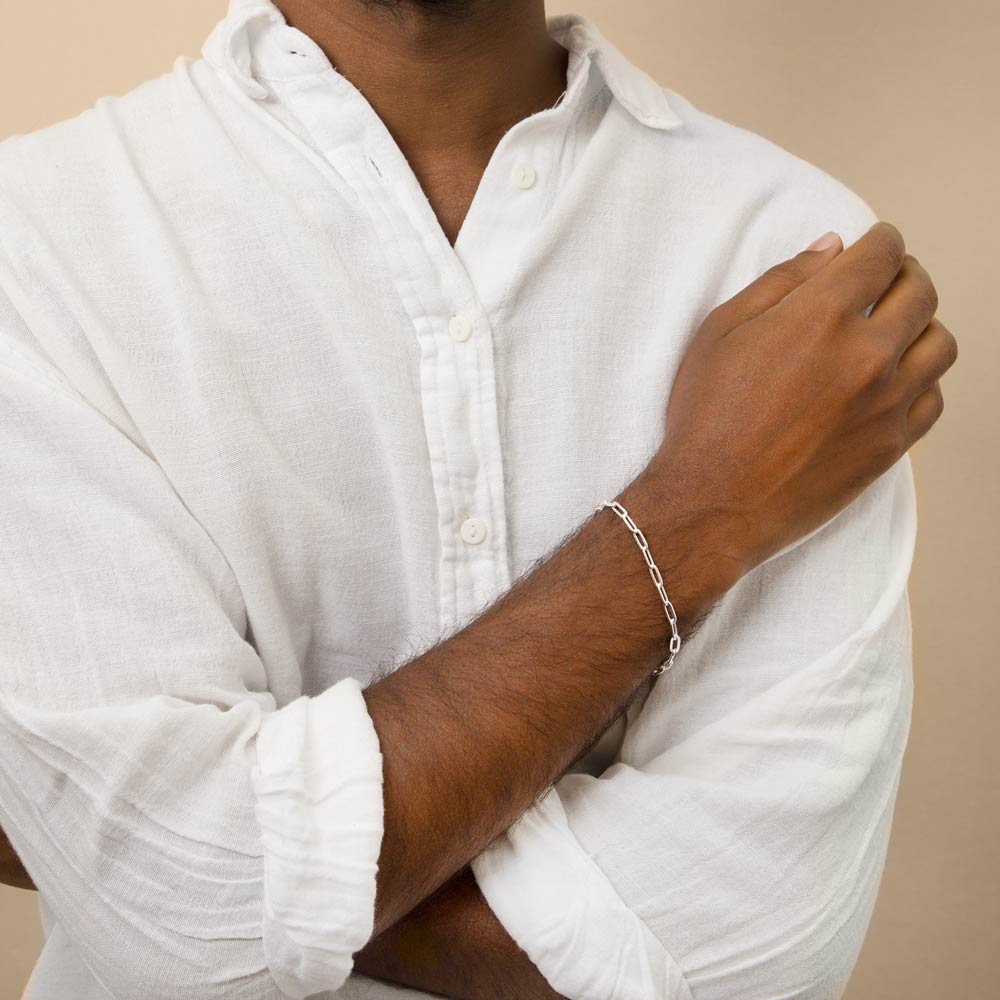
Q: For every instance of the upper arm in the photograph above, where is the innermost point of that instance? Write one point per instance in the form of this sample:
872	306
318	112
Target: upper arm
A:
191	837
123	675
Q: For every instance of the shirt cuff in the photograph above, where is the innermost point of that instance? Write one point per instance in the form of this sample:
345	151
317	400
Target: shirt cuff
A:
318	782
562	911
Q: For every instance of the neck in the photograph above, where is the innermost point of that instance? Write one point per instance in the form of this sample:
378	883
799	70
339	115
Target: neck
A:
447	79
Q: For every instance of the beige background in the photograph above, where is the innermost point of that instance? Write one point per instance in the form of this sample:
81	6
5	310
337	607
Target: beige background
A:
897	98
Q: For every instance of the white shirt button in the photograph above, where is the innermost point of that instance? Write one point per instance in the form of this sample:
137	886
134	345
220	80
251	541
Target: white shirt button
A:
460	327
523	175
473	530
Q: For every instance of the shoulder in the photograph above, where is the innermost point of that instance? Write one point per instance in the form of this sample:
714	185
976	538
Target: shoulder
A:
82	201
85	169
780	201
43	156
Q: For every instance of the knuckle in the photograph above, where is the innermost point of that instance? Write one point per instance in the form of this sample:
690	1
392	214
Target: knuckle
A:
891	235
787	275
950	349
920	306
887	249
926	412
930	293
871	372
942	355
937	398
873	364
887	448
924	294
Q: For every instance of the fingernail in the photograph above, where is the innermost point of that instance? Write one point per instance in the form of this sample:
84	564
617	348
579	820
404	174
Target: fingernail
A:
826	241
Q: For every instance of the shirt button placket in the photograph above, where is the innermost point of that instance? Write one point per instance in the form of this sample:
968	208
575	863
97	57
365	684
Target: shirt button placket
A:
460	328
473	530
478	581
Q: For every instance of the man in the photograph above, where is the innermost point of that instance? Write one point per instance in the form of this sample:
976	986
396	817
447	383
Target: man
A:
319	666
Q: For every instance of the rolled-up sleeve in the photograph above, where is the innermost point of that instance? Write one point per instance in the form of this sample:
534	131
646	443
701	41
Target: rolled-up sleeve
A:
734	850
193	838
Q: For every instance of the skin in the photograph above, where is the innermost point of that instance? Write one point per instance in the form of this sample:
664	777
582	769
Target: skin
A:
576	637
447	77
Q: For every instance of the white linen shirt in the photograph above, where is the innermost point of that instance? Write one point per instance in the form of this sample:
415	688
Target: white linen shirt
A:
264	430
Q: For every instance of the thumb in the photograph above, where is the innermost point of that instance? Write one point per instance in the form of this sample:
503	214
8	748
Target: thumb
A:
778	281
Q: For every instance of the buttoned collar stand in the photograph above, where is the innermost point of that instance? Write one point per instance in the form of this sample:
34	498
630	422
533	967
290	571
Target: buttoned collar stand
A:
290	53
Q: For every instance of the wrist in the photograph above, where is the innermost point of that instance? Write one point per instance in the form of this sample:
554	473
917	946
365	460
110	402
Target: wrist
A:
695	546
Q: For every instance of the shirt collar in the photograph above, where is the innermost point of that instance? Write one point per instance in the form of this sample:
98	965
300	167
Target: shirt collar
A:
229	48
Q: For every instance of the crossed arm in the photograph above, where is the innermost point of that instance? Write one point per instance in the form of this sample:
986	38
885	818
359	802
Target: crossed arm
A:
451	944
733	850
792	755
454	945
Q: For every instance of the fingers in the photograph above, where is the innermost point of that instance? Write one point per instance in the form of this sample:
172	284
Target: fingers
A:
924	412
919	373
905	310
777	282
864	270
926	360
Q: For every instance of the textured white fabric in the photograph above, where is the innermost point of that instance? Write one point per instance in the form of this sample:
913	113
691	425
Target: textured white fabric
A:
238	444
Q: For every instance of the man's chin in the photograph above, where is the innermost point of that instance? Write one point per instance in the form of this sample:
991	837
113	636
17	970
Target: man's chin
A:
438	8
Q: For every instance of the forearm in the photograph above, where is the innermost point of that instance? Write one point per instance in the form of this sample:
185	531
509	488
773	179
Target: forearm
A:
473	731
452	944
506	705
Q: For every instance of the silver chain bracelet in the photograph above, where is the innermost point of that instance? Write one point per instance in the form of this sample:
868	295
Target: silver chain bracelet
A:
675	639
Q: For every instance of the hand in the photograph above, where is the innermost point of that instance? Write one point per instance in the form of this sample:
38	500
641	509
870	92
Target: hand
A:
791	400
